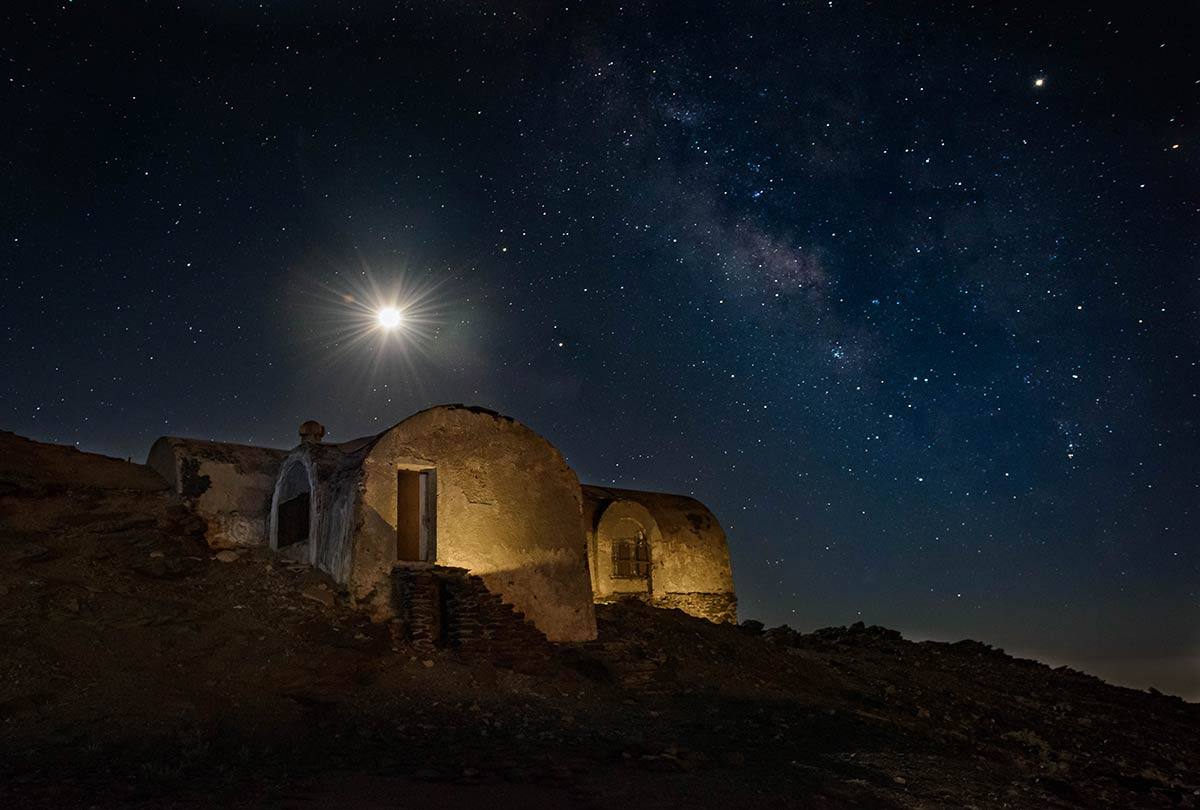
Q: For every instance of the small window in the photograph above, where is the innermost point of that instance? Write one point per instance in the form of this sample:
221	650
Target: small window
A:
631	557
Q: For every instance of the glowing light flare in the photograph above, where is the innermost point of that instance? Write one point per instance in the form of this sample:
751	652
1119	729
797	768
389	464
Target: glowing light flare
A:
389	317
371	327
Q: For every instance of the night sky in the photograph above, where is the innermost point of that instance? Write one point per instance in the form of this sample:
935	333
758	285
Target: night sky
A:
909	295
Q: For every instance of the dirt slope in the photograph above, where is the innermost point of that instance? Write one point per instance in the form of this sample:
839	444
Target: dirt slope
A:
137	667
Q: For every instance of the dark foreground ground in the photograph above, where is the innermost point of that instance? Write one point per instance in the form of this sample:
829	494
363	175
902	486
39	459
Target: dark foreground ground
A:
138	668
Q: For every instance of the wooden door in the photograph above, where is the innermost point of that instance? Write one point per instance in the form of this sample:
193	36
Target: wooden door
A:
408	515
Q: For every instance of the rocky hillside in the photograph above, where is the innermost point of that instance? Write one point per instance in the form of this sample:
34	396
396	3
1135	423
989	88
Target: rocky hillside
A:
136	666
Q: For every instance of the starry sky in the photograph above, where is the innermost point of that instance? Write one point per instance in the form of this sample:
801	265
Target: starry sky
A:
907	293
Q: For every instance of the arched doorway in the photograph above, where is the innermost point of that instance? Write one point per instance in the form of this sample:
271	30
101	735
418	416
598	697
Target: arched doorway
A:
291	512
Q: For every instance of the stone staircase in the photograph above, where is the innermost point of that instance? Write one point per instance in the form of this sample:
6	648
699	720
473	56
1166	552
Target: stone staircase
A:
440	607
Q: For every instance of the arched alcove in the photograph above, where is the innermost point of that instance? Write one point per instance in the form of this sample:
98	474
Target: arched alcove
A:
624	550
293	511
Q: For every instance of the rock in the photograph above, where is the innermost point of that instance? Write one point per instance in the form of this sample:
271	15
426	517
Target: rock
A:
164	568
857	633
157	554
226	556
427	664
782	636
32	553
666	762
319	594
733	759
296	553
753	626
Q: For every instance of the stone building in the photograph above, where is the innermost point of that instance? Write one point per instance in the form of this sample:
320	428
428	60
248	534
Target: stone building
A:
668	550
454	516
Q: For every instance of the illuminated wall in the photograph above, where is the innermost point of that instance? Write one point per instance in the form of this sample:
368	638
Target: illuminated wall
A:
689	557
507	510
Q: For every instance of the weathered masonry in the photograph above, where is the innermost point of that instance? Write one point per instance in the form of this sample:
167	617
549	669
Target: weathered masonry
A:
463	511
229	485
667	550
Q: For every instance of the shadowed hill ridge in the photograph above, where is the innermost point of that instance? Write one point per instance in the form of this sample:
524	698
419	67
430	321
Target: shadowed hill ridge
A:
137	666
26	465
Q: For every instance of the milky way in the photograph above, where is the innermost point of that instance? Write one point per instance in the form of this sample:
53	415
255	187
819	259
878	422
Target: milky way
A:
908	296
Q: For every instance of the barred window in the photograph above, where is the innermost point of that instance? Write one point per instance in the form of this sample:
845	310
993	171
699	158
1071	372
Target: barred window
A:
631	557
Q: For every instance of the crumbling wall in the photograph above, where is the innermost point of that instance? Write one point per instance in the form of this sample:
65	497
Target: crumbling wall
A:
229	485
507	506
690	568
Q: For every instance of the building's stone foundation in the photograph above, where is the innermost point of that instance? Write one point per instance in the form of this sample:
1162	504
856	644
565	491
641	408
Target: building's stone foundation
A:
716	607
719	608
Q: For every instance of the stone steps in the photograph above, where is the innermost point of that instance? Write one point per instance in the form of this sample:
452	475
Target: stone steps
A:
450	608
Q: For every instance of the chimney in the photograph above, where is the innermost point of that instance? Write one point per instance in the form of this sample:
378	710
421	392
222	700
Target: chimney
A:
311	432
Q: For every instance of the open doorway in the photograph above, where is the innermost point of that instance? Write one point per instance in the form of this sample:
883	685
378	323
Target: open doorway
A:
416	515
294	516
